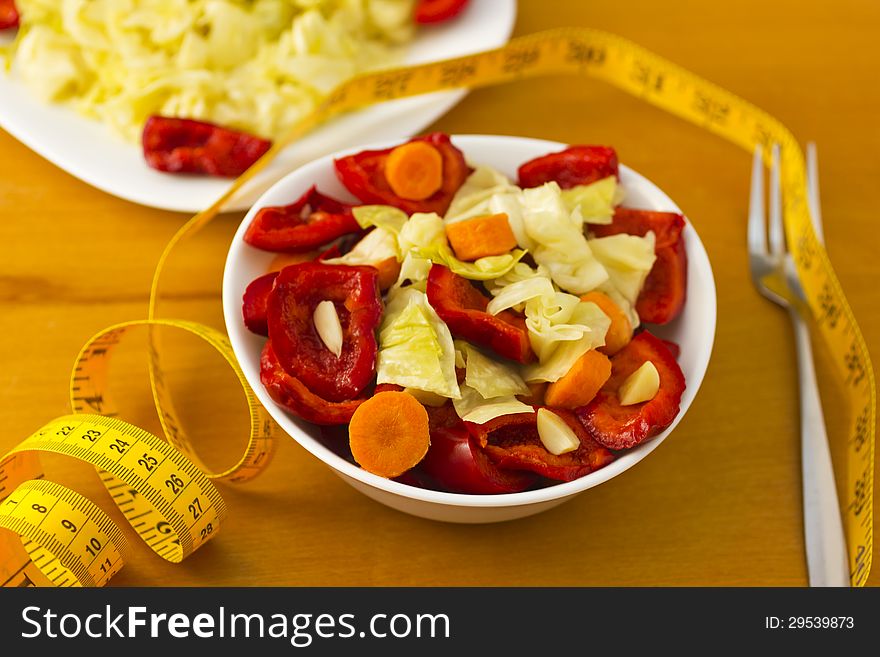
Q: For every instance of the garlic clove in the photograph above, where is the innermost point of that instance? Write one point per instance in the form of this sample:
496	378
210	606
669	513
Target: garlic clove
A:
557	437
328	326
640	386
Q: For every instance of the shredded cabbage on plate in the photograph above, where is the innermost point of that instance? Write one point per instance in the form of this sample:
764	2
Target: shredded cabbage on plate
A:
252	65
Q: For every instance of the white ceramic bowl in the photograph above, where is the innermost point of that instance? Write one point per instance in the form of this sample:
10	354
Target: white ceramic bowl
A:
693	330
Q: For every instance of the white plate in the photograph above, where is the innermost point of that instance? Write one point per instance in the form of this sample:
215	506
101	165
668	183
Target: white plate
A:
86	149
693	330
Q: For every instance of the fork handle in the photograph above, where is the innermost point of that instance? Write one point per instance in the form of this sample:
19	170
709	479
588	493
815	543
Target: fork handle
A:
827	562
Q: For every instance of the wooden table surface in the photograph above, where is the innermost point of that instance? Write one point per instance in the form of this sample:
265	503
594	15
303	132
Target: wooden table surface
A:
717	504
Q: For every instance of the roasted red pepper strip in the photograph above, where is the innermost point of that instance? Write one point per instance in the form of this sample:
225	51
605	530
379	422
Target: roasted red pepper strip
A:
456	462
296	397
355	293
9	17
576	165
673	347
667	226
463	308
512	442
665	289
387	387
312	221
255	303
621	427
437	11
188	146
363	174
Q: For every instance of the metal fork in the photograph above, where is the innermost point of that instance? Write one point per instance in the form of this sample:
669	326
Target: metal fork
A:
775	276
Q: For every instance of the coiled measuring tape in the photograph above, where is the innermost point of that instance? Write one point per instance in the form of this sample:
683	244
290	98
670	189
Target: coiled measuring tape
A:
55	536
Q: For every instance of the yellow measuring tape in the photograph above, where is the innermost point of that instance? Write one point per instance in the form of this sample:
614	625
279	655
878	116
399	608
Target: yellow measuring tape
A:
55	536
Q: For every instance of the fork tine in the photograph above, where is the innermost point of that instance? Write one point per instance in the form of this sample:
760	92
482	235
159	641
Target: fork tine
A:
757	231
813	191
777	236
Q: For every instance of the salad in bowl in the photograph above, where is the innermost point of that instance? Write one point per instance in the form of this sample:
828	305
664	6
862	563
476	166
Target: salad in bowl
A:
448	331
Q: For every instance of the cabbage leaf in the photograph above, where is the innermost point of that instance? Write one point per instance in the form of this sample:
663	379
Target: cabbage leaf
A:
595	202
561	355
374	247
561	247
488	376
384	216
415	347
473	407
628	259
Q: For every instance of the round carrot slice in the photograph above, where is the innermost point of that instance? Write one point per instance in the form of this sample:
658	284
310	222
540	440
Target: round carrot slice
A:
414	170
389	433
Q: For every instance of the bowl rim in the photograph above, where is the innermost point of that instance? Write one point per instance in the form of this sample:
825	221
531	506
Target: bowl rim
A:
235	330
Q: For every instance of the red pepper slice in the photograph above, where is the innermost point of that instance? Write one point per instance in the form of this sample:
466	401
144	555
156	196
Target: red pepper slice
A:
463	307
456	462
673	347
667	226
297	292
512	442
363	174
188	146
576	165
437	11
255	303
313	220
622	427
294	395
9	17
665	289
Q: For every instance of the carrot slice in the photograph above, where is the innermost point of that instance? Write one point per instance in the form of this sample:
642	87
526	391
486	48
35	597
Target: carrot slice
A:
582	382
389	433
414	170
621	331
389	270
479	237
